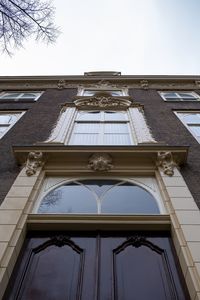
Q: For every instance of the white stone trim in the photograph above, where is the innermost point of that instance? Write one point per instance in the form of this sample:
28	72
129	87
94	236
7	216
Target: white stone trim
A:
185	220
61	128
141	130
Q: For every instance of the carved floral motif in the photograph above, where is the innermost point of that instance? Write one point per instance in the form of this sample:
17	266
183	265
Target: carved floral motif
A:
144	84
103	102
34	161
61	84
100	162
165	161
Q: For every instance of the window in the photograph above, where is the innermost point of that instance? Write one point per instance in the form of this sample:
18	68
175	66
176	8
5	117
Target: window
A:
20	96
192	121
99	197
180	96
101	128
89	92
7	120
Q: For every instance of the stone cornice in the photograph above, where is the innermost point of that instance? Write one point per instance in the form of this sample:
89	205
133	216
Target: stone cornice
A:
129	81
124	158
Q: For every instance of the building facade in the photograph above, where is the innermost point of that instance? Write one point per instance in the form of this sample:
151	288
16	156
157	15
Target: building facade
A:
100	187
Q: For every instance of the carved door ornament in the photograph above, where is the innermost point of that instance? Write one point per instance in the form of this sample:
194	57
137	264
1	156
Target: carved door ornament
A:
100	162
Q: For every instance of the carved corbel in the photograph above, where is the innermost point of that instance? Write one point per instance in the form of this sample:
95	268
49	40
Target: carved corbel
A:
100	162
34	161
197	82
61	84
144	84
166	162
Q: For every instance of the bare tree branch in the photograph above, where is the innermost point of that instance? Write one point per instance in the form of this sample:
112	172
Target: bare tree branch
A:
19	19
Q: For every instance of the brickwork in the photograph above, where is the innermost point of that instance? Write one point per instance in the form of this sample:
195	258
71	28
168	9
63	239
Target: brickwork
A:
166	127
34	126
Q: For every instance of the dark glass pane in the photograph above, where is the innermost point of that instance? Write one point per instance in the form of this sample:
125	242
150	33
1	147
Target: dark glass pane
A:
129	199
69	198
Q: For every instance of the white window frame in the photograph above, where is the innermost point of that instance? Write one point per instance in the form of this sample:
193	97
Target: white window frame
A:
124	91
20	96
103	121
21	113
178	97
139	129
179	113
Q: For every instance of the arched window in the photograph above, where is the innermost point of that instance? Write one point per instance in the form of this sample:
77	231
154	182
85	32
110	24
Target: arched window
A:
99	197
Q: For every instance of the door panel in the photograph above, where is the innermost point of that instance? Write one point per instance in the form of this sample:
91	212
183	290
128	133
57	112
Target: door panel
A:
102	266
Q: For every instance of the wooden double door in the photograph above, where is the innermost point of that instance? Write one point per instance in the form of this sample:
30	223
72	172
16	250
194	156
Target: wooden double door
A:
96	266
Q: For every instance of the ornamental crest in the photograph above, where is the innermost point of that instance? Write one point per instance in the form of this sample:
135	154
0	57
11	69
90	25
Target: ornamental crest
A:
103	102
100	162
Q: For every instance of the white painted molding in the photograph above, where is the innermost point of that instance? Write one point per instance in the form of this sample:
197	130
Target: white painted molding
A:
59	132
142	131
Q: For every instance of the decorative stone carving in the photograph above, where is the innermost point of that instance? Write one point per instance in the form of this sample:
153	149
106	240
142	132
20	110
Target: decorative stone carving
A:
60	130
100	162
197	82
61	84
141	129
144	84
103	102
166	162
34	161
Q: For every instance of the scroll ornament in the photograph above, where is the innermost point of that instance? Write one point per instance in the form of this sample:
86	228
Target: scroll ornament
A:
166	162
34	161
100	162
103	102
144	84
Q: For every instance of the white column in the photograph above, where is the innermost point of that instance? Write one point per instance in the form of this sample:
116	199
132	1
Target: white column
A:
185	218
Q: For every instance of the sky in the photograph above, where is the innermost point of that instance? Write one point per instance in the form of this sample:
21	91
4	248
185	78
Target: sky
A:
135	37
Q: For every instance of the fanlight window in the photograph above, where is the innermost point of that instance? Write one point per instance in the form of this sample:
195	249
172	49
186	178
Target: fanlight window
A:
99	197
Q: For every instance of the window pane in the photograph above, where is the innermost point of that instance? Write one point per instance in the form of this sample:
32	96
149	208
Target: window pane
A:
116	128
87	128
195	130
84	139
192	118
170	95
116	93
116	139
113	197
89	116
3	129
187	96
71	198
10	95
89	93
129	199
29	95
115	116
8	118
99	186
